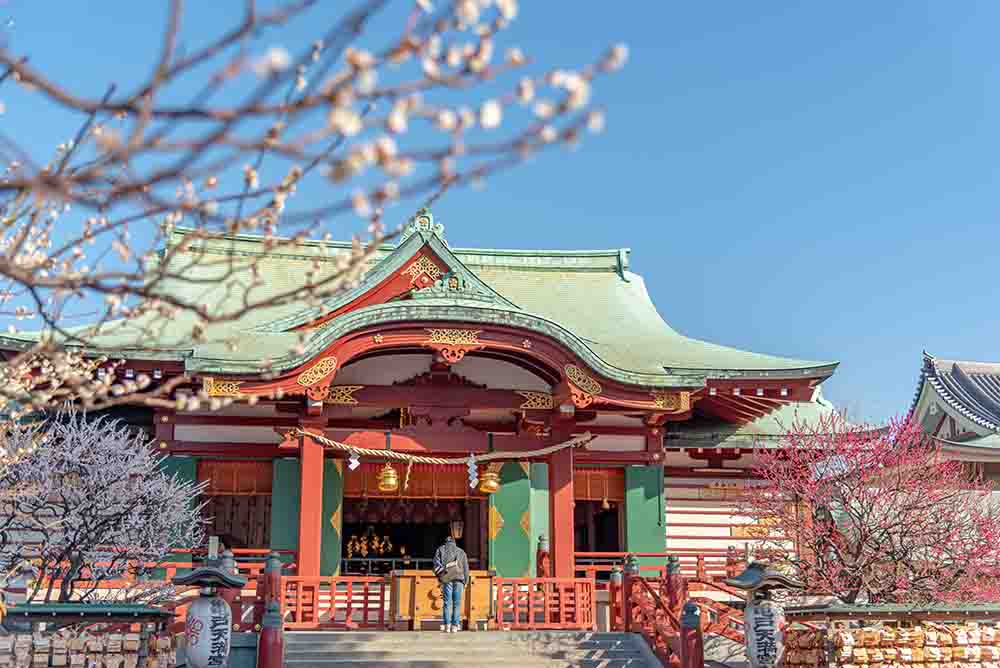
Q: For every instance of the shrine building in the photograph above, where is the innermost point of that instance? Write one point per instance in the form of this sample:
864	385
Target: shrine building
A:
958	404
646	435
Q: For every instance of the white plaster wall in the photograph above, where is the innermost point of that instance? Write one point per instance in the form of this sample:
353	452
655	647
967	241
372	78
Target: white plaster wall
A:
225	434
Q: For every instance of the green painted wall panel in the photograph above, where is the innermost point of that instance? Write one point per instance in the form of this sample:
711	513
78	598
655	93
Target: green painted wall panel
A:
285	486
185	468
333	505
510	522
644	510
539	509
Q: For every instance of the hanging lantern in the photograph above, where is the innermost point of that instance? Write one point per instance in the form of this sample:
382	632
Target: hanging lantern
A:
388	479
457	529
605	505
489	483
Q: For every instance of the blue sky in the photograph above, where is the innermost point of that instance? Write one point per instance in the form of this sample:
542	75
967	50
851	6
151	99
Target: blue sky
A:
815	180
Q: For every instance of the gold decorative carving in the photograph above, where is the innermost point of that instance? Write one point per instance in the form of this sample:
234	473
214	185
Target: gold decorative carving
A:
221	388
423	266
580	398
343	394
672	401
496	522
455	337
335	519
526	522
535	400
577	376
318	371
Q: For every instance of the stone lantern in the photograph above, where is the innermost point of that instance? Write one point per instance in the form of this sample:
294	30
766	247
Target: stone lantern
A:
765	617
209	626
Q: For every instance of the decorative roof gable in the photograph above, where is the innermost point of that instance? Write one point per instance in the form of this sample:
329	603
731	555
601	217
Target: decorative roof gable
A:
421	266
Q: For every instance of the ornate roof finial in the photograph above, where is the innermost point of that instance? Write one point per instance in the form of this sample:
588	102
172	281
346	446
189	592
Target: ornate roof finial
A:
423	221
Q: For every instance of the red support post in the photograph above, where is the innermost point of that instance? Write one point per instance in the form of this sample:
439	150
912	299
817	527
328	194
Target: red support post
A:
311	507
561	512
271	644
691	641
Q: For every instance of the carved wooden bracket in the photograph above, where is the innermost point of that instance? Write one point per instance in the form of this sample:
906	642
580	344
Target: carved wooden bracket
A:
453	344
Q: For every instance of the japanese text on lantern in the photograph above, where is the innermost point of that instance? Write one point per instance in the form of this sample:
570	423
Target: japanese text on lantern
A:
764	645
219	632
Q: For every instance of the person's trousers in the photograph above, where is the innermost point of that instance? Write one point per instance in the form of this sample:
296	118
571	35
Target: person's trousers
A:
452	592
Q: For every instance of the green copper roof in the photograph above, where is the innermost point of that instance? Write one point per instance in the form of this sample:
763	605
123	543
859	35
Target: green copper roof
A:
587	300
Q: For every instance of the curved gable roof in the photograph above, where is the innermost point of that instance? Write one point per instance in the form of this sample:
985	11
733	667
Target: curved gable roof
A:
971	388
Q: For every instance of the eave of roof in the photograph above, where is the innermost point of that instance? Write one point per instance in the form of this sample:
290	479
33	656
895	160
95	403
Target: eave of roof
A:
972	389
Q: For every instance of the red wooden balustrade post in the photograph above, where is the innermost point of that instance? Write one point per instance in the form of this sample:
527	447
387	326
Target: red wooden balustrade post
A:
271	644
232	596
675	585
630	573
615	604
692	645
732	562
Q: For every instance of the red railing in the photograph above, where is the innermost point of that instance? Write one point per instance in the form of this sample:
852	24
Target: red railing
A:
721	619
545	603
647	614
697	565
334	602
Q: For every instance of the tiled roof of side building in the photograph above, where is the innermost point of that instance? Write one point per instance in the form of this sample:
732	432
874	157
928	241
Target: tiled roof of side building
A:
971	388
589	298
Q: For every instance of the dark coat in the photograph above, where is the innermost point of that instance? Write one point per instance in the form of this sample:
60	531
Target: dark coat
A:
450	552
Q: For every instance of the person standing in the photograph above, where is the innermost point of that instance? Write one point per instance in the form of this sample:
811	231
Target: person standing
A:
451	566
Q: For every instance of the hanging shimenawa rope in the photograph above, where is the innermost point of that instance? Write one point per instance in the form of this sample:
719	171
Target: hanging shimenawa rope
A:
578	442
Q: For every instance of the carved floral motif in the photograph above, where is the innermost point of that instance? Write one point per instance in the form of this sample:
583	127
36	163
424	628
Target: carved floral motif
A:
535	400
422	270
317	372
460	337
578	377
221	388
342	394
672	401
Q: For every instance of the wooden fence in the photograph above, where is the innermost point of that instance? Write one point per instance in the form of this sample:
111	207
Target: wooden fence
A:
545	603
346	602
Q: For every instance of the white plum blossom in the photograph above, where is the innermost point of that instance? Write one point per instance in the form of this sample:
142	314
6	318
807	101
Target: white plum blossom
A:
490	114
87	501
276	60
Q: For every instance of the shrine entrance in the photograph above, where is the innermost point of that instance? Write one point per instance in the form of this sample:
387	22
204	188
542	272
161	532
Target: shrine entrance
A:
400	530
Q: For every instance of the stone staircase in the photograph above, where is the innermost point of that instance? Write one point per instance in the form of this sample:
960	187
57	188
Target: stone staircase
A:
493	649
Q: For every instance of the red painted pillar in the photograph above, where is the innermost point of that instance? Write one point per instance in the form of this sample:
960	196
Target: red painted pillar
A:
271	644
561	512
310	507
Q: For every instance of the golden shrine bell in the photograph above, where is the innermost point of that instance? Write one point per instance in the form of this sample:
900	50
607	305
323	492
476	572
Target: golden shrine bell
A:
388	479
489	481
